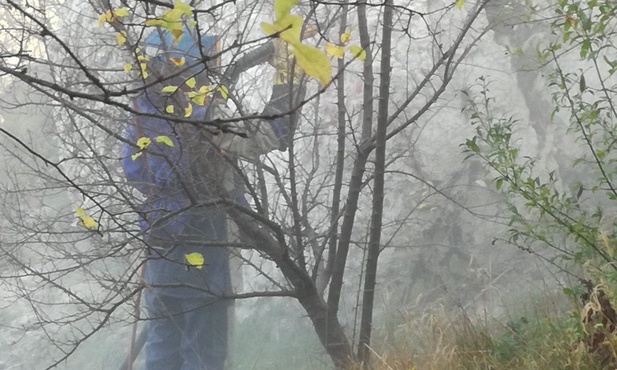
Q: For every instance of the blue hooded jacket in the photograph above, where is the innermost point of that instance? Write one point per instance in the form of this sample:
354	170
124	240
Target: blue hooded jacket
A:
171	222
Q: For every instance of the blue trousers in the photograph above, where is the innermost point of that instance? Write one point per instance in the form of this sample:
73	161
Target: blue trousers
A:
185	333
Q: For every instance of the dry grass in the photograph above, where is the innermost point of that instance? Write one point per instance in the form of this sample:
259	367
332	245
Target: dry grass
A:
542	340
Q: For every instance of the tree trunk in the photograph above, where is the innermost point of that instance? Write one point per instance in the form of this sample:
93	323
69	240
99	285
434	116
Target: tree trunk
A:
378	191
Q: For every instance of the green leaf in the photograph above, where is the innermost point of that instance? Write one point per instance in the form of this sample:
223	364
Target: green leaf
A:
314	62
459	3
195	260
164	139
471	144
585	46
581	83
283	7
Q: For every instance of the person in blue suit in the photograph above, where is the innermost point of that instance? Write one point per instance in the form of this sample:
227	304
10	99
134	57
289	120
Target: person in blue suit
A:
182	170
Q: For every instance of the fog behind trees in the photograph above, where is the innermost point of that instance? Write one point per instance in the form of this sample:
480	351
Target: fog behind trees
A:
68	292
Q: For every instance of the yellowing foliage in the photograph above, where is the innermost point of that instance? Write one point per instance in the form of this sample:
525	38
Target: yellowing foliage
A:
199	97
195	260
314	62
86	220
169	89
164	139
358	52
223	90
143	142
121	37
191	82
111	14
287	27
283	7
177	61
335	50
172	19
188	110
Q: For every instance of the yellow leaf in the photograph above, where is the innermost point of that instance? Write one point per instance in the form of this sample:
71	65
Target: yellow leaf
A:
314	62
292	24
283	7
335	50
345	37
111	14
155	22
195	259
268	28
169	109
199	99
136	155
571	21
459	3
128	67
79	211
143	67
184	8
188	110
191	82
358	52
177	61
289	27
121	12
105	17
171	20
143	58
223	90
120	37
88	222
164	139
143	142
177	35
169	89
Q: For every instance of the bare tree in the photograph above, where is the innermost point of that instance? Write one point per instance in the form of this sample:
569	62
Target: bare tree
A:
306	213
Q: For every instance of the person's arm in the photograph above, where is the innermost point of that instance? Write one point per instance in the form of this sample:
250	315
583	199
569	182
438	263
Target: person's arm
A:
267	135
264	135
